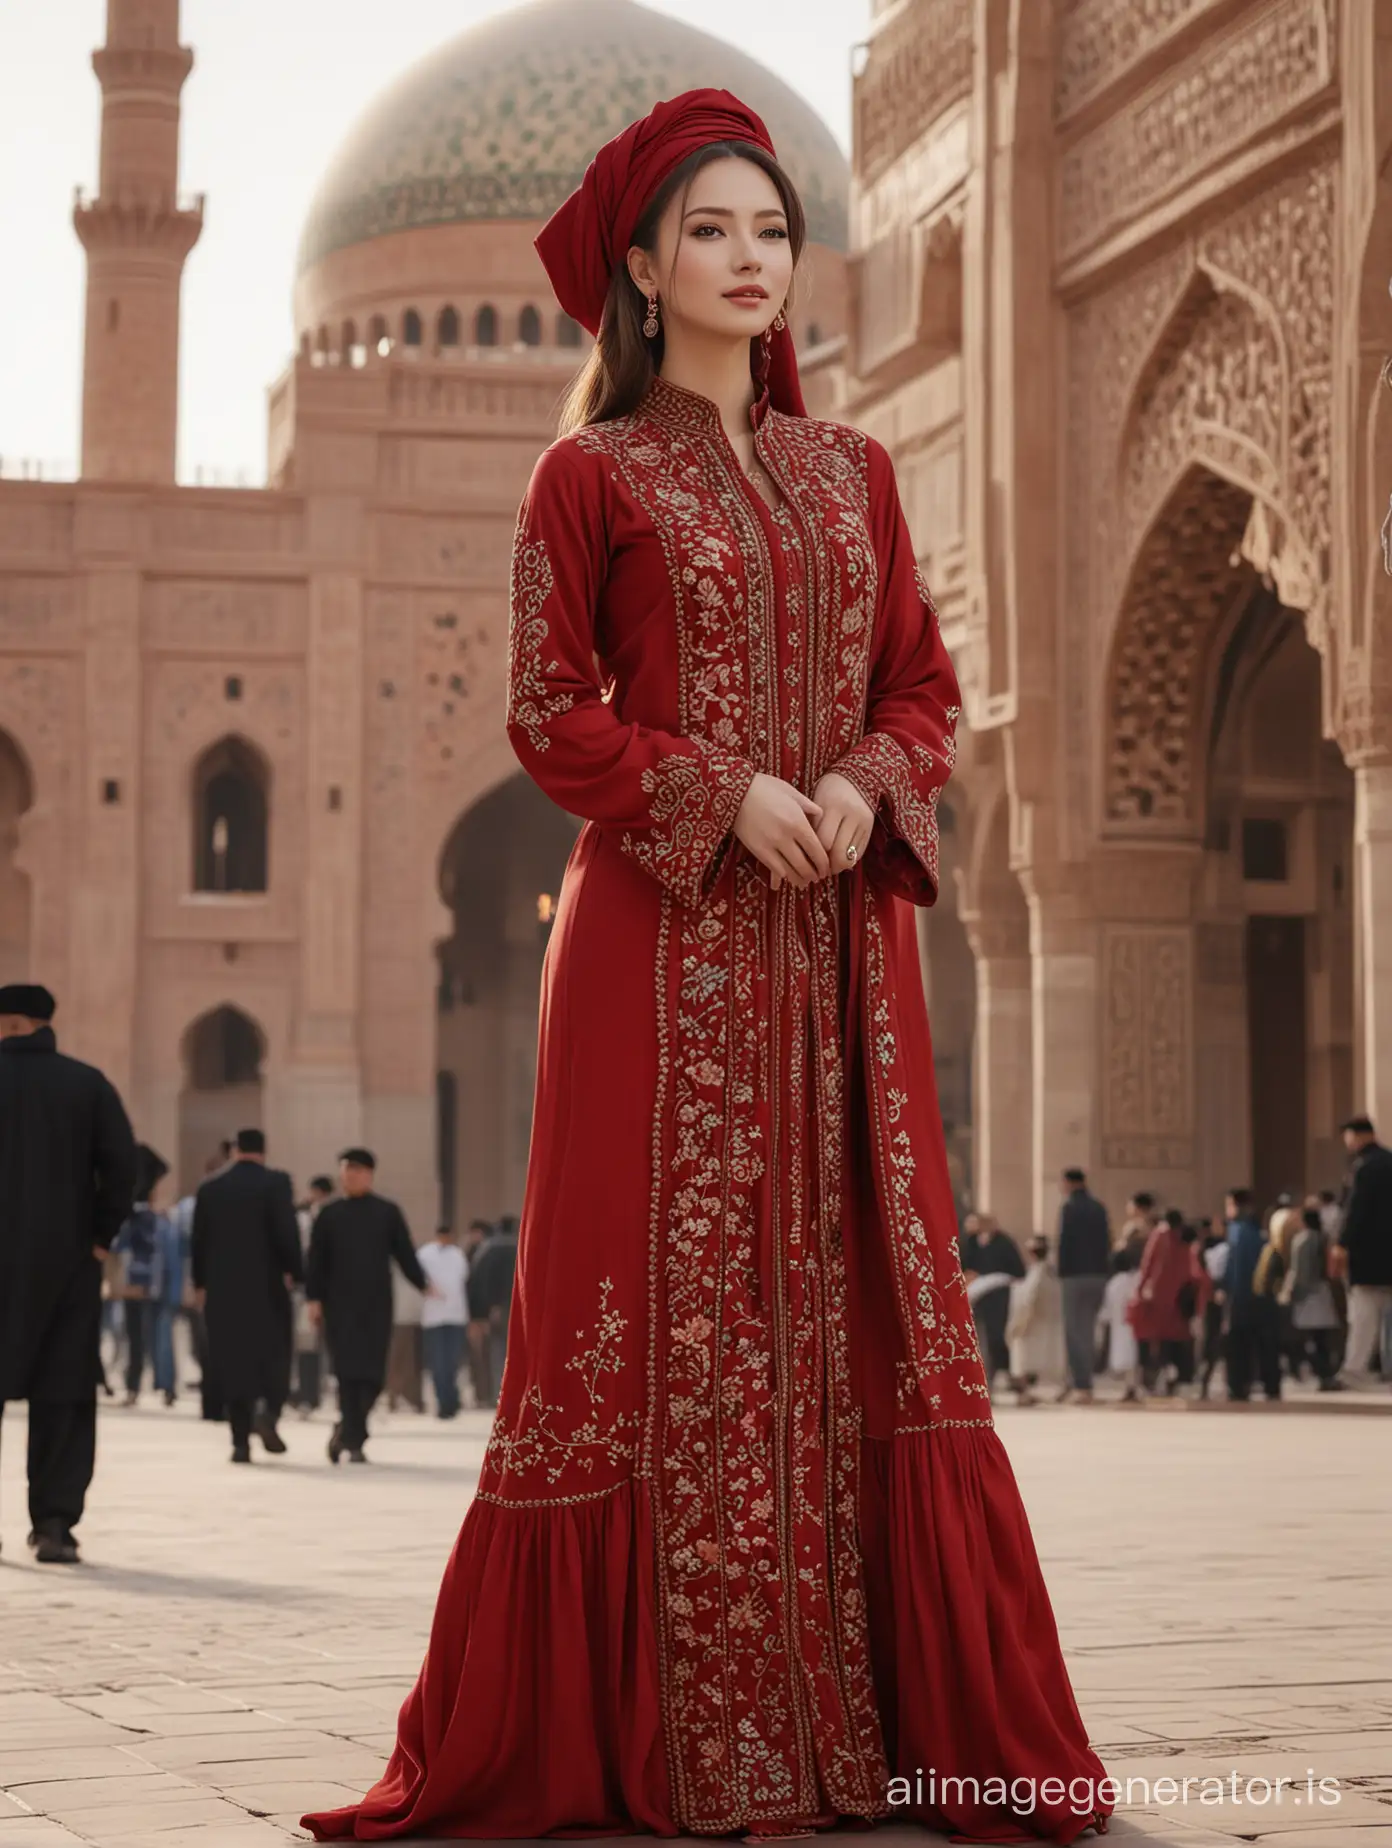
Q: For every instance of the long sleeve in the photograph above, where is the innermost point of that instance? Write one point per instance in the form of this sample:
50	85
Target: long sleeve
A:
113	1167
285	1230
317	1264
912	702
672	800
404	1251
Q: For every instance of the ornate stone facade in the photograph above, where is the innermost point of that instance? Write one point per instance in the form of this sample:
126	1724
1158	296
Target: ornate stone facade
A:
317	669
1173	270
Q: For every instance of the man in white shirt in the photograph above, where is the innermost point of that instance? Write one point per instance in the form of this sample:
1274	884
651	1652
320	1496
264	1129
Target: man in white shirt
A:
443	1316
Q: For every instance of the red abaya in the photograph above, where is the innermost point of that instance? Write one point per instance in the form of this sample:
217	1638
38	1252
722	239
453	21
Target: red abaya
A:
746	1545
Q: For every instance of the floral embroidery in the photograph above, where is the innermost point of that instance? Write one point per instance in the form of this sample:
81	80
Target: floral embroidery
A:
908	782
601	1435
532	702
942	1378
694	804
751	1430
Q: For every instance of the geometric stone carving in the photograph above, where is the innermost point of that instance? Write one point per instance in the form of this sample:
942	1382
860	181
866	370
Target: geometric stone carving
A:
915	67
1217	101
1147	983
1183	584
1099	41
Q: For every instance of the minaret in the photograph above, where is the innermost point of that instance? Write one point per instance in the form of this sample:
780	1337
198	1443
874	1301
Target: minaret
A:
137	237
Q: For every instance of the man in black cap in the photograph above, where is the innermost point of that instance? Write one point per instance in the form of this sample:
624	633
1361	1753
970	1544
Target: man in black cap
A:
245	1257
67	1178
349	1286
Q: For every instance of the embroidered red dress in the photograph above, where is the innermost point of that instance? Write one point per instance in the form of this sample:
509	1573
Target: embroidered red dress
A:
745	1544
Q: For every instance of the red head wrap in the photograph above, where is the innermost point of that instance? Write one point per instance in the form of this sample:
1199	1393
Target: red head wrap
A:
587	238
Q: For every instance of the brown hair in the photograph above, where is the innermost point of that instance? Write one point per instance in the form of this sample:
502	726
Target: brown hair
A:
623	362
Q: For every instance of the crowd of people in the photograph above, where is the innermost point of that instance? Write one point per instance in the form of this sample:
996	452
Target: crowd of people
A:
267	1296
1303	1288
277	1296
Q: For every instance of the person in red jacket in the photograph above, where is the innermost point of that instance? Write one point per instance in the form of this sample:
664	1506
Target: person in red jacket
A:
1173	1289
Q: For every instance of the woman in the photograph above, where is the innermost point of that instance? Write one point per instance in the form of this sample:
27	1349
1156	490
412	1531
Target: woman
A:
1035	1326
745	1543
1172	1288
1309	1299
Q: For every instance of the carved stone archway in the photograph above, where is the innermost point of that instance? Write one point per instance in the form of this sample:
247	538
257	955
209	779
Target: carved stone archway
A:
1188	574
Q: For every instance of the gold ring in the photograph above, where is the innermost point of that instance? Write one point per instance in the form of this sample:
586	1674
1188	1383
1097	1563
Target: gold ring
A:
851	851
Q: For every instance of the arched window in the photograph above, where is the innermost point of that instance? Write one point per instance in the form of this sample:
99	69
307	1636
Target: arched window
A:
347	341
567	331
814	334
306	345
321	348
529	326
486	326
447	328
410	328
379	342
231	786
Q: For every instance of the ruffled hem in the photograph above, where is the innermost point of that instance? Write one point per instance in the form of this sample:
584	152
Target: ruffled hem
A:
969	1674
536	1709
537	1713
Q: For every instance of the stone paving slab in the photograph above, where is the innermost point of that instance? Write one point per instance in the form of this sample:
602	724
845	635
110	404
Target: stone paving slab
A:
237	1643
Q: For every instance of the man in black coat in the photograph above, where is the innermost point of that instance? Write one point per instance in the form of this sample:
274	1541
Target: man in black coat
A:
67	1179
349	1287
1366	1236
245	1258
1084	1261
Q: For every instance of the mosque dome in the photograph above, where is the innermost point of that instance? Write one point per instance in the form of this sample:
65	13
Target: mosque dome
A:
501	122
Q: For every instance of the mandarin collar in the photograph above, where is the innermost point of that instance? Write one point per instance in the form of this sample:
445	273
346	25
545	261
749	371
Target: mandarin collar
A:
679	409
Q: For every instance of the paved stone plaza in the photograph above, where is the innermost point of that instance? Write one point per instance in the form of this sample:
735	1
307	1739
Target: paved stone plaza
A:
238	1642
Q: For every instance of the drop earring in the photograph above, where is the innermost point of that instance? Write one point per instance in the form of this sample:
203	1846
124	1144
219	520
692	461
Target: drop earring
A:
780	320
650	326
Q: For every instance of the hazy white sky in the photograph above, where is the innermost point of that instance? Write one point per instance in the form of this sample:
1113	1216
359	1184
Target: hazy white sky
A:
276	86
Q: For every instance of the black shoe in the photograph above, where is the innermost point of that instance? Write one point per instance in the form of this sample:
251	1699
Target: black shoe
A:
336	1443
264	1427
357	1456
56	1546
241	1453
169	1398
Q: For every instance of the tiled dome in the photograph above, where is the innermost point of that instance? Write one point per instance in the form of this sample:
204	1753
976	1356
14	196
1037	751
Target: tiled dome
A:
502	122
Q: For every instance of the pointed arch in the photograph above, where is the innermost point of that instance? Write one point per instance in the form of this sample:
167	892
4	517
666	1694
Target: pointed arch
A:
486	326
231	818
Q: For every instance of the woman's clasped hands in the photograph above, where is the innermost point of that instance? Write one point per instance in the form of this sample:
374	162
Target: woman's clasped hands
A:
802	839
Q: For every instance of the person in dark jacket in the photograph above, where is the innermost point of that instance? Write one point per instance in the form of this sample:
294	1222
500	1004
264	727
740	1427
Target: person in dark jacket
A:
67	1180
352	1248
987	1251
1366	1237
1083	1263
245	1257
1252	1332
491	1275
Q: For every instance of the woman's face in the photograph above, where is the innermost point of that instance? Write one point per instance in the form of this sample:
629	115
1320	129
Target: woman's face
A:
724	261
